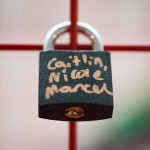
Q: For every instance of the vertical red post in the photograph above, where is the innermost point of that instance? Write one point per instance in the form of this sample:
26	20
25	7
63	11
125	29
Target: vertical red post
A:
73	46
73	27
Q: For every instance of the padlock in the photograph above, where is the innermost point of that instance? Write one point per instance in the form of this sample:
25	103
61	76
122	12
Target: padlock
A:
75	85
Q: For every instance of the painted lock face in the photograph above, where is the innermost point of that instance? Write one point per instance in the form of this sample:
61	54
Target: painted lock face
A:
75	85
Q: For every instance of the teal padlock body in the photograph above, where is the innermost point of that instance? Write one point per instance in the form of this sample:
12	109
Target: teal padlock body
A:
75	85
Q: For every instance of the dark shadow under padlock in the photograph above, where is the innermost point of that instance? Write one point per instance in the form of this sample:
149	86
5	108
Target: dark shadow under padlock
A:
75	85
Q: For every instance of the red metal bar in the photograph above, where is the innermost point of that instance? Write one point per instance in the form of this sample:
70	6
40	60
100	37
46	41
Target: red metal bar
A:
73	46
107	47
128	47
72	135
73	27
20	47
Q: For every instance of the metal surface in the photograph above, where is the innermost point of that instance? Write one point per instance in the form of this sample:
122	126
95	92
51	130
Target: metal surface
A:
61	28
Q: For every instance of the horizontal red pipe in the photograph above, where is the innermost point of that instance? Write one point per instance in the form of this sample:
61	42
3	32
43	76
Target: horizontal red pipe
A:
107	47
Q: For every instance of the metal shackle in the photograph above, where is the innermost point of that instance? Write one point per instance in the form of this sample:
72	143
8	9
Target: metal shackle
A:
63	27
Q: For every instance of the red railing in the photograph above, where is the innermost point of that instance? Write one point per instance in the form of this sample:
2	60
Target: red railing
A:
108	47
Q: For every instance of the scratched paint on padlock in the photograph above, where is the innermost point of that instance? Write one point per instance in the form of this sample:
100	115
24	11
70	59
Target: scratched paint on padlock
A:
71	76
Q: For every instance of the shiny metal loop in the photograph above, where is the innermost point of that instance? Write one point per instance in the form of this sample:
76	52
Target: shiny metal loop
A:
61	28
